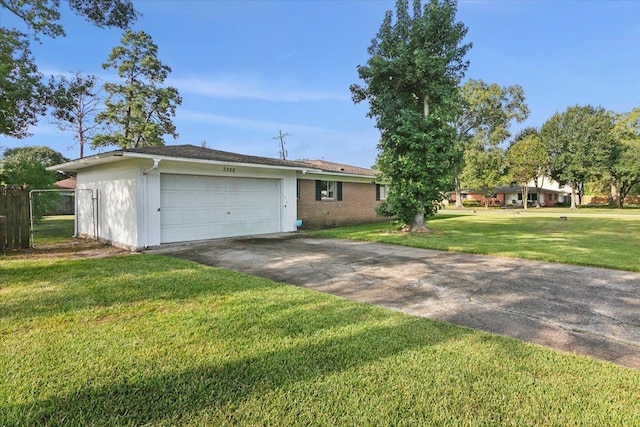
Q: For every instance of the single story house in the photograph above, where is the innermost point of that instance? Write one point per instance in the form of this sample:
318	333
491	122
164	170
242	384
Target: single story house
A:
551	193
143	197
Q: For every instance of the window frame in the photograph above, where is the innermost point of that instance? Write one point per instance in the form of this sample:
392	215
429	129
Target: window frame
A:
328	187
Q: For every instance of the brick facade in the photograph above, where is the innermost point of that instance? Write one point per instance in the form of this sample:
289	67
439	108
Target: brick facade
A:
357	205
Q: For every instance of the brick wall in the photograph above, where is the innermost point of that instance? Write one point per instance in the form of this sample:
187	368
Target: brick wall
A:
357	205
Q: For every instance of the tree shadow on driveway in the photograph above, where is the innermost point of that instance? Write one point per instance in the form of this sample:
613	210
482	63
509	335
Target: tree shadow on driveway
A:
577	309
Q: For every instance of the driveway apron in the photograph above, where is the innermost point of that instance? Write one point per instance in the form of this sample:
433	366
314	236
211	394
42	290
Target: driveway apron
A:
588	311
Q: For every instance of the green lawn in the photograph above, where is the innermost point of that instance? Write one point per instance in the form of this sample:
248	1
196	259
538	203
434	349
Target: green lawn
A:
51	230
585	238
149	340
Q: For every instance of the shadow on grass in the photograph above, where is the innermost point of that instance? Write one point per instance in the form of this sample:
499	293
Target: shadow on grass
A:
63	286
218	388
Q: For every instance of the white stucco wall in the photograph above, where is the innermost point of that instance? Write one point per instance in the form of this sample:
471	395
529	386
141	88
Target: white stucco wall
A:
116	187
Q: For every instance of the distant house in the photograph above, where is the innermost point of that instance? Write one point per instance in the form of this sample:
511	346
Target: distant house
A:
66	184
137	198
551	193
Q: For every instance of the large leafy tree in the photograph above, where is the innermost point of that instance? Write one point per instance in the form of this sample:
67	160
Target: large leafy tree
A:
526	160
27	166
485	118
24	94
76	105
139	109
411	83
579	143
626	171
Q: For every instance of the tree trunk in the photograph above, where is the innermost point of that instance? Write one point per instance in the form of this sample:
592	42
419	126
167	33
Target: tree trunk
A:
614	190
418	224
426	106
458	193
573	197
538	190
580	192
525	196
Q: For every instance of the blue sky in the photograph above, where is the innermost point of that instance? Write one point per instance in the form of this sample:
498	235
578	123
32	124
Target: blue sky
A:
247	69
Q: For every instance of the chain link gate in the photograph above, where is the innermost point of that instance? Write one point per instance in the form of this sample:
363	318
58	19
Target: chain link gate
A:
59	215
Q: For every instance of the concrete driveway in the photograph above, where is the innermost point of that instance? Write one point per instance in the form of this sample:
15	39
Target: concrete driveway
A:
583	310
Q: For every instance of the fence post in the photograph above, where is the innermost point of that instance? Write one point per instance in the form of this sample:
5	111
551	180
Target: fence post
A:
25	225
3	234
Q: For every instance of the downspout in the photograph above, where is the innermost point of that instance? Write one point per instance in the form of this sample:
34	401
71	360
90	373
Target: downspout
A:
156	163
145	201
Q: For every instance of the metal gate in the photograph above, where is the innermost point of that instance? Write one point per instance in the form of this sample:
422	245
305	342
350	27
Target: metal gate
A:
59	215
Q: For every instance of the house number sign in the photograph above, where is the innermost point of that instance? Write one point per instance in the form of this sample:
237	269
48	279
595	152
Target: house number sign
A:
227	169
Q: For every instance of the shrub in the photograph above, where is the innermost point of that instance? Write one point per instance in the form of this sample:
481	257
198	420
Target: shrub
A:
471	203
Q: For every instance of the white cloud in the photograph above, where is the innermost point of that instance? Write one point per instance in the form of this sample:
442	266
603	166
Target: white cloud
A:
236	87
241	123
241	88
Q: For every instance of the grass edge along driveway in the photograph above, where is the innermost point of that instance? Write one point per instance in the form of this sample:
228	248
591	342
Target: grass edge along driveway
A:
152	340
606	241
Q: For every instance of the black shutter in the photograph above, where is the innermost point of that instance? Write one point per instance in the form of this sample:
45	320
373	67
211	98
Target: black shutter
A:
378	192
318	190
339	190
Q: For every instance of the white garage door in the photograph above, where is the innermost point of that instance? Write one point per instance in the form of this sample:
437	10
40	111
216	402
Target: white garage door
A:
195	207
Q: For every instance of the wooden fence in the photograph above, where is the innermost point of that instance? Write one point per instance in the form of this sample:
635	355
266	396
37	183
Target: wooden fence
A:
14	207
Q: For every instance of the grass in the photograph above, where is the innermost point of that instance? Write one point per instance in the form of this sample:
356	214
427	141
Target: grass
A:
149	340
609	241
52	230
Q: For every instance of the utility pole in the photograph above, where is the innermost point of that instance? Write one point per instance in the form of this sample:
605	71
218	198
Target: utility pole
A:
283	152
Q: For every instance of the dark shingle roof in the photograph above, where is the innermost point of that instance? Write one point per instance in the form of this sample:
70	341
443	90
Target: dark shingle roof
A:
202	153
339	168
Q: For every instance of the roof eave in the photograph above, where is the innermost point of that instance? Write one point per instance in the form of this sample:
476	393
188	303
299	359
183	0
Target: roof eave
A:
321	172
100	159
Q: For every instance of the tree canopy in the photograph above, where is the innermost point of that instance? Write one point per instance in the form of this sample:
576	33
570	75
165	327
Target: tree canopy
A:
579	142
138	110
411	84
76	106
484	167
27	166
526	160
25	93
486	114
626	170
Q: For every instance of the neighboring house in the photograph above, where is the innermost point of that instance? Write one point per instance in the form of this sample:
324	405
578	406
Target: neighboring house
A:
149	196
496	200
551	193
66	184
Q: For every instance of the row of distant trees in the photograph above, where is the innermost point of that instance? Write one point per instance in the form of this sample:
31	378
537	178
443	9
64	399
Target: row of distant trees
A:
135	111
584	145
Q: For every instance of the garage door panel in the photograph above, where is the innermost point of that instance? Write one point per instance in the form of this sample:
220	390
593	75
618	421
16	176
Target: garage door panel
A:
204	207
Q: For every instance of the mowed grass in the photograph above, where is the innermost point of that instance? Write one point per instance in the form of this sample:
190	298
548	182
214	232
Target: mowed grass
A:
599	240
54	229
150	340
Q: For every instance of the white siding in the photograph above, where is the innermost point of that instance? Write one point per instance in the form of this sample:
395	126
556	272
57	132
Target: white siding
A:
116	189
